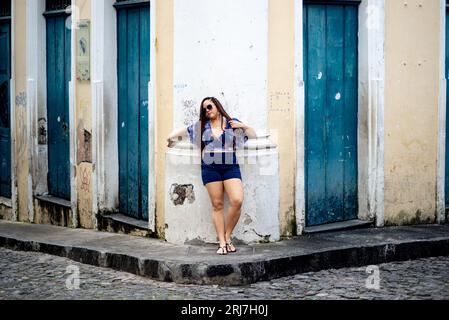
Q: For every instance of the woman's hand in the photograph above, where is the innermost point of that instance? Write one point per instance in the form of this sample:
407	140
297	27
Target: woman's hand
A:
238	125
170	142
176	136
248	131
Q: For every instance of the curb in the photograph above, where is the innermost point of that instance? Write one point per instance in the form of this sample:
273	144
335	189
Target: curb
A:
239	273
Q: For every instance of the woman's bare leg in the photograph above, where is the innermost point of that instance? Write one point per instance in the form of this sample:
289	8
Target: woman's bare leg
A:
234	189
216	194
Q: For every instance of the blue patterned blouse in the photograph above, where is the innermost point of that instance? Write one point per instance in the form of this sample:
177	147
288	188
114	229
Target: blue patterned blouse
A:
225	143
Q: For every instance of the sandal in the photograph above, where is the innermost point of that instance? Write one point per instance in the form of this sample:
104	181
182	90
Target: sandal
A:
229	247
222	251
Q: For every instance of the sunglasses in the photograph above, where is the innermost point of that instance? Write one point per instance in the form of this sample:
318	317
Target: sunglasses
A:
209	107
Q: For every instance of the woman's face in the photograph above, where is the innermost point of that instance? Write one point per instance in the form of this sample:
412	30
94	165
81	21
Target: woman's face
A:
211	110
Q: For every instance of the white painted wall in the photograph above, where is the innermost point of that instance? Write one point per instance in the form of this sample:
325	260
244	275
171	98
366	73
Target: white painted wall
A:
371	110
221	50
104	106
37	93
192	220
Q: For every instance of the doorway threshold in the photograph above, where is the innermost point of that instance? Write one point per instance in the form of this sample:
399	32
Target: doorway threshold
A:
339	226
120	223
128	220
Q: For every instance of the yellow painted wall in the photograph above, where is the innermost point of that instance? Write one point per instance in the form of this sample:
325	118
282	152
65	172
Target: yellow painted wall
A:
164	87
83	127
281	113
18	106
411	110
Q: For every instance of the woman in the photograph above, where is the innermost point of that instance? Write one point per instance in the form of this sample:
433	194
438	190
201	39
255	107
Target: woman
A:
218	135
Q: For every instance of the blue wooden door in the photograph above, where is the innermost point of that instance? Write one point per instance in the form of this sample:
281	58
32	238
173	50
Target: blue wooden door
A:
133	76
5	106
331	103
58	77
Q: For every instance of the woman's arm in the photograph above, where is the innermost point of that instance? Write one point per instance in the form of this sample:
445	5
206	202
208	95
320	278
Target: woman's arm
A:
176	135
249	132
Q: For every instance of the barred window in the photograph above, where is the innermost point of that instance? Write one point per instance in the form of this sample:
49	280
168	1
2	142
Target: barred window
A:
55	5
130	1
5	8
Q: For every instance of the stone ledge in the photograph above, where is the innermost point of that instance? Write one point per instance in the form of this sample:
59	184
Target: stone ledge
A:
339	226
121	224
6	202
54	200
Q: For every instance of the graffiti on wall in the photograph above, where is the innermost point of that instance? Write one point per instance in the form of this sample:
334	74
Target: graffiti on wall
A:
85	180
190	110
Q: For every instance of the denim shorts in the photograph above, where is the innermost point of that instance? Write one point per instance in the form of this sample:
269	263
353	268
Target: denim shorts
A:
220	170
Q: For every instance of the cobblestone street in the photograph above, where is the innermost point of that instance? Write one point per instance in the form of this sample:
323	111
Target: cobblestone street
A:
26	275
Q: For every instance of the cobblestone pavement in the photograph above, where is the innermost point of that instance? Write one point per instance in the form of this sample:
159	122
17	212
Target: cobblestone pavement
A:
26	275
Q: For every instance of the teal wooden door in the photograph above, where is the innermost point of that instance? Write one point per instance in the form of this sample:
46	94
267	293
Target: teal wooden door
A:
331	103
5	107
133	76
58	77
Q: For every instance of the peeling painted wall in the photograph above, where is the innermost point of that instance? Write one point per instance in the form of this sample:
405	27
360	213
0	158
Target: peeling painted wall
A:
104	106
19	108
83	127
188	208
221	49
38	84
54	214
411	110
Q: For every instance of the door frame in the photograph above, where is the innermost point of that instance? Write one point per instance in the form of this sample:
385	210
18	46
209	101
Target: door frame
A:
12	202
442	125
105	96
371	112
37	105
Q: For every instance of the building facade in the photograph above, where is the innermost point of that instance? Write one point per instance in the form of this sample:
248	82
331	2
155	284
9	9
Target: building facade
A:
348	98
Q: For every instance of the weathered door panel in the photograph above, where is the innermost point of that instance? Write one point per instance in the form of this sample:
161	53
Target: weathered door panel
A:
58	78
331	79
133	77
5	108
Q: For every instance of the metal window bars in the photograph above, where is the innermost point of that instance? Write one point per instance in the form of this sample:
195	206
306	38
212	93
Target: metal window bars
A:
5	8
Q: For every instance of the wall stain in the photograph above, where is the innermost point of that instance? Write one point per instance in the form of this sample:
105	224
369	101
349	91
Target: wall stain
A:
84	152
404	218
42	133
21	100
85	180
21	133
180	193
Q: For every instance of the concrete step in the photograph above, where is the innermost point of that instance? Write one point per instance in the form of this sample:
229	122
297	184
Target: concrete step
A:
122	224
339	226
